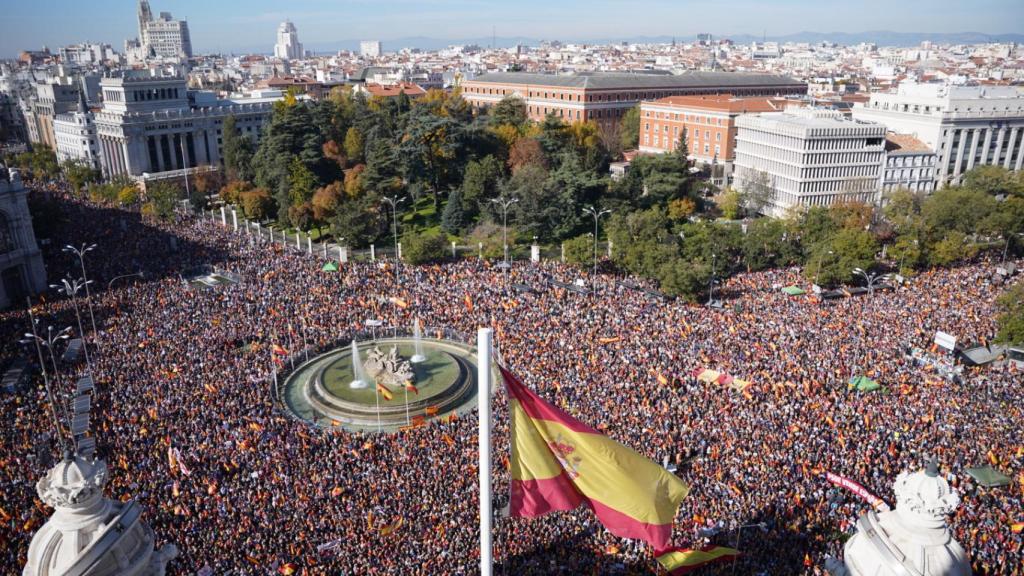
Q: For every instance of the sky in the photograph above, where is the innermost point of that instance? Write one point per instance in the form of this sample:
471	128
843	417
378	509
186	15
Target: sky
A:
250	25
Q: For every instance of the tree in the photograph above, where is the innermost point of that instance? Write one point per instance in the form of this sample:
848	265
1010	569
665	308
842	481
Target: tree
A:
757	192
836	258
161	198
903	209
631	129
430	151
1011	318
354	181
680	209
79	172
730	203
354	145
452	220
361	221
580	250
690	280
766	244
255	203
641	240
128	196
290	134
510	110
325	202
952	248
490	235
381	175
238	151
424	248
526	152
993	180
302	185
959	209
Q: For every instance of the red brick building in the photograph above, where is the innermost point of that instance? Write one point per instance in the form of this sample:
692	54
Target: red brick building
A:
607	96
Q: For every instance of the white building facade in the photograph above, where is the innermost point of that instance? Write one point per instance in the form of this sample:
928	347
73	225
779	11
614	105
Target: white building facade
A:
909	164
163	37
809	157
288	46
75	133
966	126
153	124
370	48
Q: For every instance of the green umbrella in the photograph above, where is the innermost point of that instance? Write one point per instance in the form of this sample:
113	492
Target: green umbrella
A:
864	384
793	290
330	267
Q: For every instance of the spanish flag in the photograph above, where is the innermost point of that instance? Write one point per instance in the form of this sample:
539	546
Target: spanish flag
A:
411	388
559	463
384	391
683	561
279	350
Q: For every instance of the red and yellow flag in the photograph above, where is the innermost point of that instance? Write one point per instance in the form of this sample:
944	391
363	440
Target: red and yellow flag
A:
683	561
384	391
411	388
559	463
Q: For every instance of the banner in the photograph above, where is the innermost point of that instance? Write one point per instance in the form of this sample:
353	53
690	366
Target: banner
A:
857	489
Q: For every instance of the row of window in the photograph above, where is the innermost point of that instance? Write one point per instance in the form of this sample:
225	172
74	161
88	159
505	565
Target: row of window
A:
684	117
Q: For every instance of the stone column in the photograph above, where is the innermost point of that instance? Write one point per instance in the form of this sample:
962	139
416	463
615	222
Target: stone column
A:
985	147
1008	160
234	219
976	133
223	216
999	145
960	154
373	254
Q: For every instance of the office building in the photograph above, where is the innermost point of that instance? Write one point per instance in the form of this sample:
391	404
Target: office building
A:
909	163
370	48
808	157
706	123
163	37
607	96
153	124
75	135
288	45
52	98
966	126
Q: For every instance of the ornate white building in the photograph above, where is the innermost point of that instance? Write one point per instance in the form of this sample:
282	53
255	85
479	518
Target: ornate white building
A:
75	133
21	262
88	534
966	126
151	124
288	45
163	37
913	539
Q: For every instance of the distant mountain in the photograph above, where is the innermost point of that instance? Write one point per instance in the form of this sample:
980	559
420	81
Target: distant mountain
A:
880	37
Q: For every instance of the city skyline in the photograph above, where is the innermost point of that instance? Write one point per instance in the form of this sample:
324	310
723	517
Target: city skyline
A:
326	26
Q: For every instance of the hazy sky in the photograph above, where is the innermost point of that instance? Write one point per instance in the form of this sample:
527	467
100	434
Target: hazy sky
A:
226	25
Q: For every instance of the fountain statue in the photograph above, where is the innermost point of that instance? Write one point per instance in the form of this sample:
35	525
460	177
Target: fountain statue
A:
417	337
389	369
358	371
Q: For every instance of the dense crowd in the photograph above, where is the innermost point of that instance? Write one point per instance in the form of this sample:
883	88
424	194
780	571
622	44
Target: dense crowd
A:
189	368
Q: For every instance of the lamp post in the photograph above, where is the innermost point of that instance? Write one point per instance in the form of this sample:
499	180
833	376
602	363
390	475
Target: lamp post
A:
505	203
70	288
739	532
140	274
35	339
903	257
597	218
394	201
870	278
818	270
52	337
80	252
711	284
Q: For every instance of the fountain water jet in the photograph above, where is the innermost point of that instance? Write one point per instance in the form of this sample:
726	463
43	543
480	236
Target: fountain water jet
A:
357	369
419	356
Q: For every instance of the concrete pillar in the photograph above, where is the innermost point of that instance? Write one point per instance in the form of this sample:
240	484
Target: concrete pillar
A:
610	246
399	251
223	217
1008	160
959	155
453	249
480	247
234	219
1001	136
298	241
343	254
976	133
534	253
309	244
1020	157
985	147
324	244
563	252
373	254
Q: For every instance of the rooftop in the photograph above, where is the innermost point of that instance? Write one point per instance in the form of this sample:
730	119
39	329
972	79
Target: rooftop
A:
725	103
622	80
904	143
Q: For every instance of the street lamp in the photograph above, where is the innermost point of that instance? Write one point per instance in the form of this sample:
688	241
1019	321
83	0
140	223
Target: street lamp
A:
394	201
711	285
818	270
904	256
140	274
80	252
870	278
70	288
35	339
505	203
597	217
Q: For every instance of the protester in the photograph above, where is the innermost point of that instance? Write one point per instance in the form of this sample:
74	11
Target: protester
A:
255	489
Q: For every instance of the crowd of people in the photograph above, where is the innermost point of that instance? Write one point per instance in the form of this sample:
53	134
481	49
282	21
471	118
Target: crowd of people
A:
255	490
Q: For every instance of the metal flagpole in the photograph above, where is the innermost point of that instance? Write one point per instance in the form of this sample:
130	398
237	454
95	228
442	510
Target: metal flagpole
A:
376	394
484	374
407	421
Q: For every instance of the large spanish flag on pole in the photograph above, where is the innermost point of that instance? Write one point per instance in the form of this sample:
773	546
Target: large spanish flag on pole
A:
679	561
559	463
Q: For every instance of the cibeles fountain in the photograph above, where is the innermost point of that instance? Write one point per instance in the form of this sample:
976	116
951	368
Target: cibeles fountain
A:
383	384
913	539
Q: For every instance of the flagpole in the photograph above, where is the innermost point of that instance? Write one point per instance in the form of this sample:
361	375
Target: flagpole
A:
484	374
406	386
376	394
